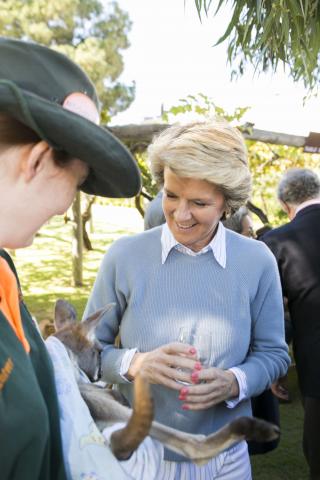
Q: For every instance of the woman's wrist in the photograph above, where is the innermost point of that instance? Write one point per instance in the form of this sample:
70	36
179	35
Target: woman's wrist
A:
234	386
135	366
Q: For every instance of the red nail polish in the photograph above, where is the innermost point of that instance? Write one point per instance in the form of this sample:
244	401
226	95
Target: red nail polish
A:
184	391
192	350
194	377
198	366
185	407
182	397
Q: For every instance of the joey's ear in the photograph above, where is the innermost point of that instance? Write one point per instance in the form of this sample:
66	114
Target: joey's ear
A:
90	323
64	314
34	159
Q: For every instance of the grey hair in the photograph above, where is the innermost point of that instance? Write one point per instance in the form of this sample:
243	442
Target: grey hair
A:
235	221
298	185
211	150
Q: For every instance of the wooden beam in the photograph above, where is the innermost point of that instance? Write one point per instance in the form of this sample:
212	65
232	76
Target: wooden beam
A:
143	134
276	138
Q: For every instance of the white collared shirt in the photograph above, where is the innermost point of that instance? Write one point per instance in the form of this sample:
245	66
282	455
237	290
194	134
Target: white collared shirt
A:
217	245
307	203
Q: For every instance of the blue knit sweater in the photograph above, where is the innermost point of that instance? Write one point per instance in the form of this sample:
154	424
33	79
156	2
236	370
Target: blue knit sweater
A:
241	305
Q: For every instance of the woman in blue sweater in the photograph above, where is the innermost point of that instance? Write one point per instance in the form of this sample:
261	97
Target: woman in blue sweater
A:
193	272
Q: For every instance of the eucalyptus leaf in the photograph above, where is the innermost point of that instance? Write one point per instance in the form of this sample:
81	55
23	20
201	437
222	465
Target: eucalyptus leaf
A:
264	32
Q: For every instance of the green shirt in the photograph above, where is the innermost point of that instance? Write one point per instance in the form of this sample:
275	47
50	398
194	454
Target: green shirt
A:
30	443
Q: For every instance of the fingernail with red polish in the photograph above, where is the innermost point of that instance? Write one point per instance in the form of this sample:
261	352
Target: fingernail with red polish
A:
184	391
192	350
182	397
194	377
198	366
185	407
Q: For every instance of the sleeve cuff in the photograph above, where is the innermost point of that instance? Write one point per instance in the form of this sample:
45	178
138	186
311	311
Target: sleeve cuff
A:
243	388
125	363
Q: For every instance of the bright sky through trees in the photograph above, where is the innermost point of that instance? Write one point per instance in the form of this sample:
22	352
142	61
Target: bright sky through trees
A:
172	55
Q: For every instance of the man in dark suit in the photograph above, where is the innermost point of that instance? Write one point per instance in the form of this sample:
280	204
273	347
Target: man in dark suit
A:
296	247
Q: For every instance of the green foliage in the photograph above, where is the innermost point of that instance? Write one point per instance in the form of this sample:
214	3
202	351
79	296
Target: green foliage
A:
267	164
286	462
202	106
149	186
266	32
86	31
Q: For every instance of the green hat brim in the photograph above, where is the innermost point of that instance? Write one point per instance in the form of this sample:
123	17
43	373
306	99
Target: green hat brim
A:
113	171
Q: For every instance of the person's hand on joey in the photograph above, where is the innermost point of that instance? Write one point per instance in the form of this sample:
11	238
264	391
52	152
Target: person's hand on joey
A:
210	386
166	365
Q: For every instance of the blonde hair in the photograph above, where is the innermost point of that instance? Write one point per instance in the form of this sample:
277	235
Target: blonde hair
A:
212	151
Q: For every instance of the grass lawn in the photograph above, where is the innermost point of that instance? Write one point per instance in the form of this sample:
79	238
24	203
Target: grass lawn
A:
46	274
45	268
285	462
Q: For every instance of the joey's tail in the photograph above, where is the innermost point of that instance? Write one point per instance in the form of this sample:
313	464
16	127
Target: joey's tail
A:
128	439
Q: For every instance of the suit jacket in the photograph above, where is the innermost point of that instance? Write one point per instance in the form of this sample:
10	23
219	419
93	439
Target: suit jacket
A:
296	247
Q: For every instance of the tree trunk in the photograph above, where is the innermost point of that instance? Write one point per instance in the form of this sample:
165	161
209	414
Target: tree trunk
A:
77	242
86	217
260	213
137	202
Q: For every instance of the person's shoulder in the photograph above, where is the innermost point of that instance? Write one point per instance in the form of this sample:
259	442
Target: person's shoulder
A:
154	215
276	234
241	241
5	255
278	231
250	248
136	242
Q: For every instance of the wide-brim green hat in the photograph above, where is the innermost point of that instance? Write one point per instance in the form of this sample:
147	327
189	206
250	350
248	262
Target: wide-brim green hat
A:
43	89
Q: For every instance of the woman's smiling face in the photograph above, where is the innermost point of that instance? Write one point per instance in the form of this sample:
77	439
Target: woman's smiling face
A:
192	209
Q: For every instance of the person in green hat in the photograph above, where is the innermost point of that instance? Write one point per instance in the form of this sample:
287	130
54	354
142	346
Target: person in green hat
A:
50	146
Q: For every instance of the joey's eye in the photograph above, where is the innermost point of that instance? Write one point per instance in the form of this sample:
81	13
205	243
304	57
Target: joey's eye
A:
198	203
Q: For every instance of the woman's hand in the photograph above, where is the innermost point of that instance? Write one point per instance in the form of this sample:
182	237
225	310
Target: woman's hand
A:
164	365
220	385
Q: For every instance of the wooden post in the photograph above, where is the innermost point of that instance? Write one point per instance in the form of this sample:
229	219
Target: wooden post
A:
77	242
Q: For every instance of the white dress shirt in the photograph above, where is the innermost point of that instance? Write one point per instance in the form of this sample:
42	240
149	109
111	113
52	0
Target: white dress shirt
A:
307	203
